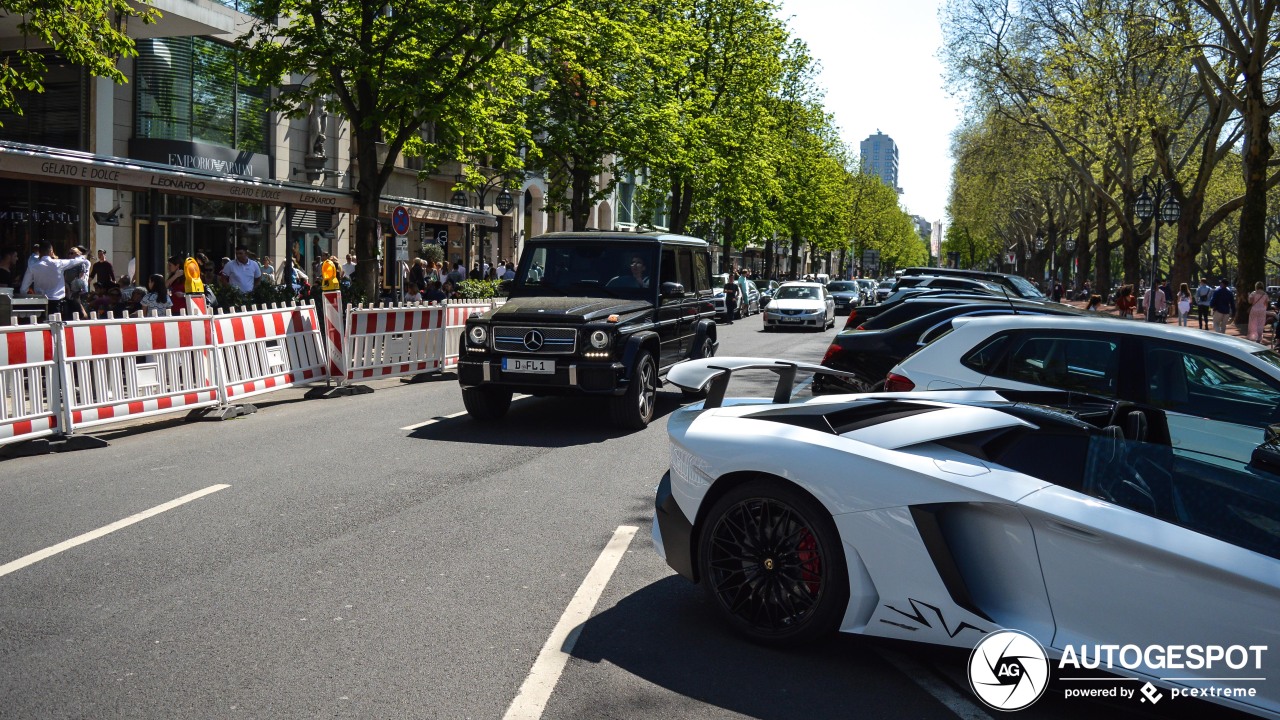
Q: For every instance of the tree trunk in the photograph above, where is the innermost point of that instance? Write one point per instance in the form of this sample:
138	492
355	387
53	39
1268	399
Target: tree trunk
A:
1251	246
368	229
1130	243
794	271
681	203
730	233
768	258
580	202
1102	281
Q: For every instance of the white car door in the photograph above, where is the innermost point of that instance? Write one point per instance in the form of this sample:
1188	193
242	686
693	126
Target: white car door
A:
1183	557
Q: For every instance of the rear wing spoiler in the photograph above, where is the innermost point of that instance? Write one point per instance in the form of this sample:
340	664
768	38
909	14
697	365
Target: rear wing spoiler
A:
711	375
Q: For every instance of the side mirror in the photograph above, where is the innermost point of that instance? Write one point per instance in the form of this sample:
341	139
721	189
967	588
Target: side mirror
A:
670	289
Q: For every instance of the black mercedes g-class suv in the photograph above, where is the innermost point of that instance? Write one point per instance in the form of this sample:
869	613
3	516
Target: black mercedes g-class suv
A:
592	313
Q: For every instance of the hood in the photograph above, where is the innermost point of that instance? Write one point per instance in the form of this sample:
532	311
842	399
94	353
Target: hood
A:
845	293
552	309
777	304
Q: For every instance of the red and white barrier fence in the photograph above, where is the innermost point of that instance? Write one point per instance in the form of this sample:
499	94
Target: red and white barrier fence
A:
262	350
30	397
394	340
456	315
129	368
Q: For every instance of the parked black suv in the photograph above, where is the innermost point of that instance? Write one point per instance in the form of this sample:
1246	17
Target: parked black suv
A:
592	313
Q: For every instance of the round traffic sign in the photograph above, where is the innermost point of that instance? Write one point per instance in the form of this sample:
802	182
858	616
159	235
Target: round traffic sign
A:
400	220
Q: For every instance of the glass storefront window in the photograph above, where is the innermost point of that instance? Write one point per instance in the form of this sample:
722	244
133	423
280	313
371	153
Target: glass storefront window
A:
192	89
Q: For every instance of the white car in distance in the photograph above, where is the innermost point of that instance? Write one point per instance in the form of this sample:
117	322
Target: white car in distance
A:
801	305
1219	393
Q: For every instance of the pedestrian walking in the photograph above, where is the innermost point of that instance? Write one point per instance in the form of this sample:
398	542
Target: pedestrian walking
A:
731	297
1154	298
1184	305
1223	303
102	272
1124	301
1203	293
1258	301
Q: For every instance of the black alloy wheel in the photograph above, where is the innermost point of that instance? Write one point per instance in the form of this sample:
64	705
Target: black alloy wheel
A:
486	403
770	558
634	409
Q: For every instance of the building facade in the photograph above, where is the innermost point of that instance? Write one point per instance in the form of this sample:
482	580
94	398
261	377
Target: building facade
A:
880	158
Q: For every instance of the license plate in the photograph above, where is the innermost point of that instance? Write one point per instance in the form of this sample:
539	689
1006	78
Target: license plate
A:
787	318
522	365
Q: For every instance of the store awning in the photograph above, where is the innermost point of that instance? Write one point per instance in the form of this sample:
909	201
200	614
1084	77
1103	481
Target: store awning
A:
47	164
437	211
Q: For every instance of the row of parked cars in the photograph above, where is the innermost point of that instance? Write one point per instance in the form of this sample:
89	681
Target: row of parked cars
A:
1005	464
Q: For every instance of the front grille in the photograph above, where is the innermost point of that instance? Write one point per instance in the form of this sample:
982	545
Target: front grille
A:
792	312
555	340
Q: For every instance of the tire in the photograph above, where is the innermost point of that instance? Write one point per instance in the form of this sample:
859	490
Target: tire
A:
634	409
770	560
486	403
706	350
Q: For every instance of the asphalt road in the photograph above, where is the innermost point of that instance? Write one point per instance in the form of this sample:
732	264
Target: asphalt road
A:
356	568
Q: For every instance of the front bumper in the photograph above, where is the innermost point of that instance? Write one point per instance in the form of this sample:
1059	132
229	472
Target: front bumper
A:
794	321
672	531
573	376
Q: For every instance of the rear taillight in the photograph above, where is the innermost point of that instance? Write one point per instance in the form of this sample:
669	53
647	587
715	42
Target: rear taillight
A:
897	383
831	354
853	315
861	327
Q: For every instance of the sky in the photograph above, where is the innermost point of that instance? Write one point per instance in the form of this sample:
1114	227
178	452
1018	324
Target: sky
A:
880	71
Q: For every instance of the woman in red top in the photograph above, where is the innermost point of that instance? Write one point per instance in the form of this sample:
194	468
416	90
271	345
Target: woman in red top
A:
176	281
1125	302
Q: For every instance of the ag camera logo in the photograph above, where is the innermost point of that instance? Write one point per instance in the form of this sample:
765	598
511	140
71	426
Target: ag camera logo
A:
1008	670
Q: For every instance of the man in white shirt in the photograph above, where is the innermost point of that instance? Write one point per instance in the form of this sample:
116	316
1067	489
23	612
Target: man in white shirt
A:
349	267
243	274
46	275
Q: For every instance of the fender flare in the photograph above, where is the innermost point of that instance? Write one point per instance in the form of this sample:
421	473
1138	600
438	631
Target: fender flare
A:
643	340
706	328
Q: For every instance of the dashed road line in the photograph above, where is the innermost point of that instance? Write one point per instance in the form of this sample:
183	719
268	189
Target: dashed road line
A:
52	550
536	690
439	418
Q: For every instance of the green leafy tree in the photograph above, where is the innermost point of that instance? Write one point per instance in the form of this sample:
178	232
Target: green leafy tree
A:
90	33
426	78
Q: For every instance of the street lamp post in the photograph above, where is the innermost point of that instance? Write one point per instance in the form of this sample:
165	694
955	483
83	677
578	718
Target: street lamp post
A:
503	201
1164	208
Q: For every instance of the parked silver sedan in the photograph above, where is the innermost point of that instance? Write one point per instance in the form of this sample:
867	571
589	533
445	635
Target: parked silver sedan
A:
801	305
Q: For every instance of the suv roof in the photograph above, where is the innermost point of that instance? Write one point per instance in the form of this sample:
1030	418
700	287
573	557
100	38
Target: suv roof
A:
630	237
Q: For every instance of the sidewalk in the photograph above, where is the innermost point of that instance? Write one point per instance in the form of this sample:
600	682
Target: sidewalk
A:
1173	321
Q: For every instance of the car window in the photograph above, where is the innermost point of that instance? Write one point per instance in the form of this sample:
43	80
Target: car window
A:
1025	288
1189	380
701	271
797	293
983	358
684	269
1064	362
1221	498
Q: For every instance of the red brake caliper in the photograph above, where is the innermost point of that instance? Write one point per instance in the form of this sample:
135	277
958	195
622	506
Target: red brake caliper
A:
810	561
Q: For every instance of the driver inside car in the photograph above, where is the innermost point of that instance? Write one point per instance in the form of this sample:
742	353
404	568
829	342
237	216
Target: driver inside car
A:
637	275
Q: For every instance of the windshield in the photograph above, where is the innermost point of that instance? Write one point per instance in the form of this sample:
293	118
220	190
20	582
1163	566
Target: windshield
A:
763	284
718	281
1269	357
843	286
886	284
797	292
1025	288
587	268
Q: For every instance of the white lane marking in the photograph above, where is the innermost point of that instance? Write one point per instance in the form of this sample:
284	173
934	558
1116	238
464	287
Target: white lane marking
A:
545	673
435	420
955	701
52	550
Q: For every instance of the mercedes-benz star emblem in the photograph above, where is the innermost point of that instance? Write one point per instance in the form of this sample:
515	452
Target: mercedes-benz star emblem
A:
533	340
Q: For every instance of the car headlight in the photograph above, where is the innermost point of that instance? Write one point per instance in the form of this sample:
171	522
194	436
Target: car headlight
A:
599	339
478	334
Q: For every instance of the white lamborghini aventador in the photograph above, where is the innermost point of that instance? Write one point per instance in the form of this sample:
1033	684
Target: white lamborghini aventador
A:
942	517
